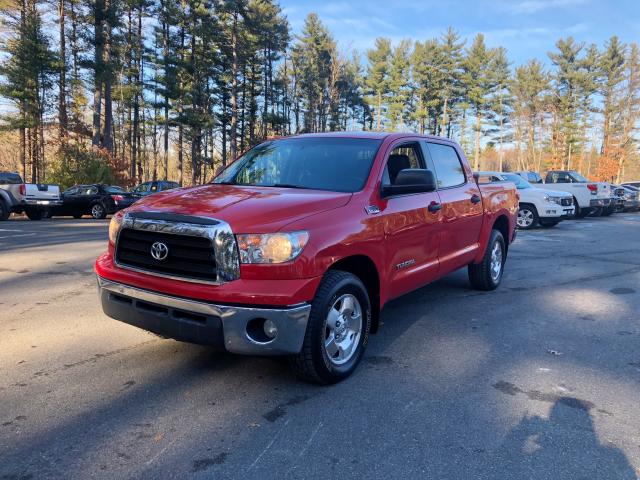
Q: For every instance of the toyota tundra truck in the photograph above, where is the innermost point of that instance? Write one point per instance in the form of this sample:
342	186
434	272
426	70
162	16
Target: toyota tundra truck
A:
295	248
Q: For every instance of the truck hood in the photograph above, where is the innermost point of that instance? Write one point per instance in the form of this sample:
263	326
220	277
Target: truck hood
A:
246	209
553	193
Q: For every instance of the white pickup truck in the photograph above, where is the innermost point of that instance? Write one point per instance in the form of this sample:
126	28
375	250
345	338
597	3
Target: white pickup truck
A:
34	199
537	206
588	197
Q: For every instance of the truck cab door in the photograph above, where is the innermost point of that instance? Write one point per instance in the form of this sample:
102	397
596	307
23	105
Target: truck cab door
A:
462	210
411	225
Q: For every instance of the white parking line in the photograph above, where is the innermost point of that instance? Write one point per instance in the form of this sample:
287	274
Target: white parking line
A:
20	235
8	230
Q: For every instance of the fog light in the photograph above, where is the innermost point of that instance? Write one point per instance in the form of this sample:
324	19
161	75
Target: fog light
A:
270	329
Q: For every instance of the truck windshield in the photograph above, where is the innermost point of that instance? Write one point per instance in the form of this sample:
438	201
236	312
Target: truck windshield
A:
318	163
521	183
578	178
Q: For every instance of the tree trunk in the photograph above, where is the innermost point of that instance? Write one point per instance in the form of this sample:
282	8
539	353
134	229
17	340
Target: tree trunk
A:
234	89
165	54
62	100
445	115
98	73
476	154
378	109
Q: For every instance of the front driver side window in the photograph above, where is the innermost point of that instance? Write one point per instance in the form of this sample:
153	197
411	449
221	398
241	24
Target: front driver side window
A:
402	157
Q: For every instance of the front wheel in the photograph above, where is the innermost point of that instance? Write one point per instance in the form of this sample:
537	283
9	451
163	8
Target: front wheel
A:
98	211
337	330
487	274
527	217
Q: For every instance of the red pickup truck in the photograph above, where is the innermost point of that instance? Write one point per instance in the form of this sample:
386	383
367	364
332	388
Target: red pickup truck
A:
295	248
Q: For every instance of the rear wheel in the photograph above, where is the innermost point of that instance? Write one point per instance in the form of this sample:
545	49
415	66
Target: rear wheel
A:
98	211
4	210
487	274
527	216
582	212
337	330
33	214
596	212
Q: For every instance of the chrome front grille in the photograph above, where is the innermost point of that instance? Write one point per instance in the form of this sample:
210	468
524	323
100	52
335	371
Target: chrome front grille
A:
197	249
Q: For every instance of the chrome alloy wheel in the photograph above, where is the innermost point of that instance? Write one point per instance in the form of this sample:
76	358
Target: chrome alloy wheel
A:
496	261
97	211
343	329
525	218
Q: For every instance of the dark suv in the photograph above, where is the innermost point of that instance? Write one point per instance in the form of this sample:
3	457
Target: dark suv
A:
147	188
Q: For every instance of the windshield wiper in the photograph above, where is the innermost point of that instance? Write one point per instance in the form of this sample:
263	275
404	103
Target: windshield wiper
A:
284	185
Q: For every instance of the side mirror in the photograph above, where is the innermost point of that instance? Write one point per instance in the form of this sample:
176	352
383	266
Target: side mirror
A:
411	180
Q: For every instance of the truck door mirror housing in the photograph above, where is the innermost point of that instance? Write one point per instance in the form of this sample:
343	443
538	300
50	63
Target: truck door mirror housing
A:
411	180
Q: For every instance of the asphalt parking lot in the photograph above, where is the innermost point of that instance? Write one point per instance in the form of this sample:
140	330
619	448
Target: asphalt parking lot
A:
538	380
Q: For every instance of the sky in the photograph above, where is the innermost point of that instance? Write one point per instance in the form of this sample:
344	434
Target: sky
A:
526	28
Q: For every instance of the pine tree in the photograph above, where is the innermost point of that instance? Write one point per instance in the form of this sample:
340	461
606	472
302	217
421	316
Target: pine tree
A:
28	71
529	90
377	77
314	49
399	85
611	64
477	83
500	101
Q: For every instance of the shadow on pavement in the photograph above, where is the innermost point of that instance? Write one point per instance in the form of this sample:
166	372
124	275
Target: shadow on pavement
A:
564	444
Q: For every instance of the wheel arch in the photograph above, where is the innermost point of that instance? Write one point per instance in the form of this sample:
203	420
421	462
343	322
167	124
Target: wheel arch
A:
501	224
363	267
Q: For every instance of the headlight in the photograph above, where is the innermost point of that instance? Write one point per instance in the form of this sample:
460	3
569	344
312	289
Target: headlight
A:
272	247
114	227
554	200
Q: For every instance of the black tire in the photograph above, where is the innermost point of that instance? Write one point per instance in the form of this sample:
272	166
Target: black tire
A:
4	210
526	213
608	211
98	211
548	223
480	274
33	214
313	363
596	212
577	210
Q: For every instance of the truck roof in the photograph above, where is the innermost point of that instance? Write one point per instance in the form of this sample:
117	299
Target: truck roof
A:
371	134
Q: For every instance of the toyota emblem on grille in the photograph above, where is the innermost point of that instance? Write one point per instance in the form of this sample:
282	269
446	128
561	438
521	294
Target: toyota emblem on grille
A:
159	251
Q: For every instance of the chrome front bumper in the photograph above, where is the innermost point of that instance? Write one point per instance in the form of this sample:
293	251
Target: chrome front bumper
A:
204	323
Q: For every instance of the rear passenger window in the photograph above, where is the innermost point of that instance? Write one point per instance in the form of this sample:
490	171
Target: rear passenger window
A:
449	171
7	178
